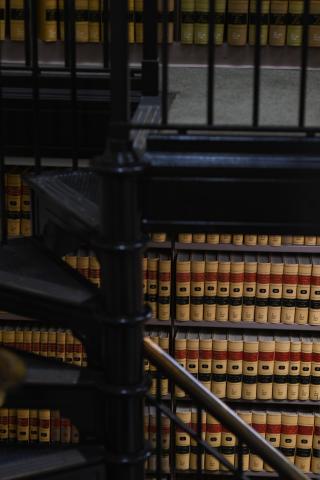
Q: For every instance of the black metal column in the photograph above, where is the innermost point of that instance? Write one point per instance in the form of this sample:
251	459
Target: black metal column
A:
120	249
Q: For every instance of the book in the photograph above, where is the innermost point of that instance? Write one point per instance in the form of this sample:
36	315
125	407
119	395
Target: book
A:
201	22
183	440
33	426
296	239
153	437
170	35
138	16
214	238
205	359
303	290
165	443
152	283
289	289
219	364
275	290
219	27
65	430
185	237
281	368
265	367
159	237
77	352
83	262
94	20
55	426
4	424
236	287
193	353
314	393
311	240
304	441
234	366
294	368
314	31
294	33
48	17
164	289
71	259
278	27
262	289
305	368
223	288
314	308
26	209
187	31
315	461
287	239
23	425
213	438
2	19
228	446
249	288
264	23
27	339
12	425
13	202
250	367
195	448
154	337
246	416
18	338
274	240
183	276
82	24
44	342
197	286
273	432
210	287
259	423
61	345
225	238
180	355
17	17
144	277
94	269
263	239
52	342
36	341
237	239
164	344
44	426
251	239
199	238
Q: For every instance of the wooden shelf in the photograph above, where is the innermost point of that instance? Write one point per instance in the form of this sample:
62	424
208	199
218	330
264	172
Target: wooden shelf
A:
249	326
265	404
158	323
247	248
159	245
222	475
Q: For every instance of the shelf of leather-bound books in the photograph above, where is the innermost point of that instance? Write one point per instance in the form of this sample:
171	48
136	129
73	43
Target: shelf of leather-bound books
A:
300	249
305	328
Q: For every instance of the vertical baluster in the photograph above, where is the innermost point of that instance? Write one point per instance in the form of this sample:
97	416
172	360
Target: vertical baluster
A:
211	52
199	447
257	66
105	33
240	458
70	40
164	49
304	63
159	430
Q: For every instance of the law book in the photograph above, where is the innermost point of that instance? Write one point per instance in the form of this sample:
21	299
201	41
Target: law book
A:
138	16
144	278
152	437
250	239
13	203
289	289
19	338
259	423
187	28
265	367
228	446
264	21
314	309
195	448
273	433
314	393
296	239
275	290
48	16
250	367
9	337
281	368
304	441
66	429
197	286
2	19
294	368
219	364
165	443
33	426
12	425
26	220
249	288
44	426
274	240
94	269
180	355
213	438
170	36
23	425
159	237
223	288
27	339
77	352
82	24
236	287
164	288
262	289
243	450
213	238
287	239
69	346
210	287
71	259
61	345
155	337
94	20
52	342
4	424
164	344
17	17
183	277
83	262
235	366
185	237
199	238
183	440
305	368
55	426
225	238
303	290
193	353
263	239
152	282
205	359
295	29
237	239
278	23
220	21
314	30
315	461
44	342
288	437
36	341
311	240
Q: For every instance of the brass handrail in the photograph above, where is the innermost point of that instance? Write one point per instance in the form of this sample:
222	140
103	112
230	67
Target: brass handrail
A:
209	402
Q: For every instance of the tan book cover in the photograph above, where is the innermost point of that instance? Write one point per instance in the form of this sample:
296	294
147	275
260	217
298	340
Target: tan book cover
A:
33	426
287	239
12	434
219	365
2	19
314	31
263	239
44	426
195	448
138	16
23	425
4	424
197	286
94	19
27	339
61	345
315	461
83	262
249	288
288	437
235	366
214	238
152	283
94	269
183	440
193	353
236	288
19	338
205	359
265	367
65	430
297	239
77	352
44	342
250	240
185	237
180	354
210	287
82	24
183	277
315	371
36	341
281	368
264	23
9	337
164	344
304	441
275	240
250	367
294	368
244	449
223	288
213	438
159	237
237	239
289	289
187	27
220	21
314	309
17	16
305	368
294	34
199	238
262	289
164	289
130	21
278	25
259	423
55	426
48	16
273	433
312	240
228	446
69	346
275	290
52	343
225	238
303	290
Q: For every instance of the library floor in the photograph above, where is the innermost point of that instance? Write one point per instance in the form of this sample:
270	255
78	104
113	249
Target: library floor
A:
233	96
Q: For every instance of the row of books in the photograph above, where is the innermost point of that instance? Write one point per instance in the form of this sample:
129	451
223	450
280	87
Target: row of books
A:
247	367
295	434
18	204
29	426
45	341
223	287
239	239
86	263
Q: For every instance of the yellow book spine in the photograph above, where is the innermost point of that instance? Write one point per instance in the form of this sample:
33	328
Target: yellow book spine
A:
314	41
236	291
304	441
315	372
219	367
288	436
278	25
183	276
82	24
223	291
94	21
205	361
305	370
17	17
12	436
294	370
210	290
187	25
315	462
273	433
152	288
164	293
33	426
234	369
2	19
138	13
250	370
294	37
23	425
264	23
197	289
48	15
259	423
201	26
213	438
265	369
183	441
4	424
281	369
314	309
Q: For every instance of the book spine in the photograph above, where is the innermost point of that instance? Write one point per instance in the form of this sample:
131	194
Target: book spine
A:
281	370
183	290
36	341
265	369
44	342
138	15
295	29
94	270
52	343
164	383
23	425
314	311
225	238
17	16
153	285
165	430
61	345
214	238
315	373
69	347
249	291
237	239
77	352
305	371
234	369
180	355
26	208
289	293
193	356
153	438
303	294
288	437
187	32
228	446
183	443
83	264
223	291
48	15
262	292
201	26
294	371
195	448
250	240
199	238
311	240
145	279
185	237
304	442
264	23
314	31
65	430
153	370
19	338
273	432
236	291
2	19
250	370
243	449
27	339
94	20
275	240
210	290
296	239
33	426
197	290
159	237
213	438
275	293
315	462
55	426
9	337
170	33
219	27
219	368
4	424
259	423
12	435
263	240
205	361
13	200
44	426
278	22
81	18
